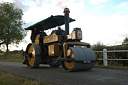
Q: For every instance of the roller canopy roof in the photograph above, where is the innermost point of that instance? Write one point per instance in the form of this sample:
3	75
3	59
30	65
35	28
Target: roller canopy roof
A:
48	23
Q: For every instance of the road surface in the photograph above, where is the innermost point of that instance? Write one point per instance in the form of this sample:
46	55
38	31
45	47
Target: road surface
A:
58	76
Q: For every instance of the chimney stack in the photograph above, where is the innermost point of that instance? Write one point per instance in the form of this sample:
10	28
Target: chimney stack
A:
66	14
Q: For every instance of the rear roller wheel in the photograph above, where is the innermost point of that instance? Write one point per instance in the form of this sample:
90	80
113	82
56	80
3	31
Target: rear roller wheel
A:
33	55
78	56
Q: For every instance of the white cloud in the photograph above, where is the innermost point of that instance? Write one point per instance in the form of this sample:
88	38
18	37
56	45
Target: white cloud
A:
36	10
18	4
97	7
123	5
107	29
97	2
124	35
1	1
37	13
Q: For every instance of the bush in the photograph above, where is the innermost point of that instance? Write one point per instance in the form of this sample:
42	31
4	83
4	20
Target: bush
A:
16	56
111	55
98	46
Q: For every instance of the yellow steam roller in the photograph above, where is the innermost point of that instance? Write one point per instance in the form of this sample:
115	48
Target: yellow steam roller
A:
59	47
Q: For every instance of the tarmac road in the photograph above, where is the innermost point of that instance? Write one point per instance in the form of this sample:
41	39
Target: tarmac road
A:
58	76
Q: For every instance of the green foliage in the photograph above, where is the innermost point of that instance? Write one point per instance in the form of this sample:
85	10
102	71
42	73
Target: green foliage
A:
11	30
118	47
125	41
112	55
98	46
14	56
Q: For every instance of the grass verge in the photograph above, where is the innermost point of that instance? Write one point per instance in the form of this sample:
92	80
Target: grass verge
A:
112	67
8	79
14	56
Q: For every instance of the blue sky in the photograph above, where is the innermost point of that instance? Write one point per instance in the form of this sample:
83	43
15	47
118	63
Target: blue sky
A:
100	20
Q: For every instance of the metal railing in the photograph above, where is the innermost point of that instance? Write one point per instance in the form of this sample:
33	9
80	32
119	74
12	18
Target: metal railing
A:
105	56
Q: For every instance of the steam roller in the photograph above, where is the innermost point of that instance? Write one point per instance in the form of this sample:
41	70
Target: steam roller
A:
59	47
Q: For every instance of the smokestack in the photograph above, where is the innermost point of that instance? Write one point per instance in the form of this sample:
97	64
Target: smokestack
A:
66	14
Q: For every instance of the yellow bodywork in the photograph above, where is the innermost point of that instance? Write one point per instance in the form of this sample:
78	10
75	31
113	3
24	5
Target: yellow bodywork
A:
37	39
54	50
52	38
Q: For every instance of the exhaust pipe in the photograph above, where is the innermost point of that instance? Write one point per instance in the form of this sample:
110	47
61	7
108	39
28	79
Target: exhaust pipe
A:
66	14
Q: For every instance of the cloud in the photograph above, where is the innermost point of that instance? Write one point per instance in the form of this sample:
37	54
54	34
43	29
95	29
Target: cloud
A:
1	1
106	29
61	3
124	35
18	4
36	10
48	8
97	2
123	5
97	7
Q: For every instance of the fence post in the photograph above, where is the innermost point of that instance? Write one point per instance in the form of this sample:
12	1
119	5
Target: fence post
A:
105	62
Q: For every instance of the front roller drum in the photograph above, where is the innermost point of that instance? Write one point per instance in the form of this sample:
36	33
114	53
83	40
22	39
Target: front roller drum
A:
33	53
82	59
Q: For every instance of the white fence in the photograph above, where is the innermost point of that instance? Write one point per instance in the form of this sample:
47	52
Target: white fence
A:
105	57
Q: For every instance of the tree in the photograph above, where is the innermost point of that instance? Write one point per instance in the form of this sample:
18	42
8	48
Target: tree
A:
125	41
98	46
11	22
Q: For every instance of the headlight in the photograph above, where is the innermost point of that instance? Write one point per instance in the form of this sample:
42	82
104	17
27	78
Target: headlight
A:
76	34
79	34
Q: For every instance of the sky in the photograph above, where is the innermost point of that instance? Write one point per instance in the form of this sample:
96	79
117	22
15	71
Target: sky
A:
102	21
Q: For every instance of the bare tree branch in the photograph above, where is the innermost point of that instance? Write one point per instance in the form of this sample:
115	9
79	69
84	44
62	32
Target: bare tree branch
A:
2	43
